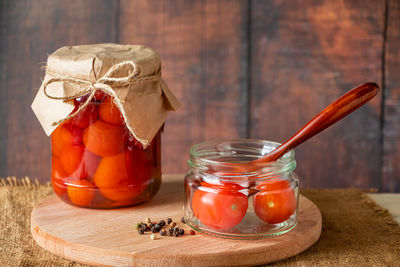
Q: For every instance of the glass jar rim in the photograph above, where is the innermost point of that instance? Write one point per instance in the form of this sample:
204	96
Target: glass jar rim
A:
204	156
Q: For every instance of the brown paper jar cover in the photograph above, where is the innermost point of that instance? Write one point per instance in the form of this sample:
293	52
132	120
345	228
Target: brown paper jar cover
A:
129	73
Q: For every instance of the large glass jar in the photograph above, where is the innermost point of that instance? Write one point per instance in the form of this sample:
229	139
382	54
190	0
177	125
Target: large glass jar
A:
240	200
96	162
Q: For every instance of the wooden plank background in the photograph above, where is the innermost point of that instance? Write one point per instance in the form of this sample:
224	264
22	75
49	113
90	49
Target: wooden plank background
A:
242	69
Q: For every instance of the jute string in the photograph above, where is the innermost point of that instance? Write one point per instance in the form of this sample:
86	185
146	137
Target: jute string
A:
105	84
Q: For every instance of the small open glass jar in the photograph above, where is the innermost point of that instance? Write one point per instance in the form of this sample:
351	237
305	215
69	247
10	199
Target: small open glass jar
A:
225	200
97	163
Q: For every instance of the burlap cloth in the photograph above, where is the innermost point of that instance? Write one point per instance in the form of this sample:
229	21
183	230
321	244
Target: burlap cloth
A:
355	232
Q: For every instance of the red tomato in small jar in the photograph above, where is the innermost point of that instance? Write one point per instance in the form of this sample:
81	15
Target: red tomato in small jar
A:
221	207
276	201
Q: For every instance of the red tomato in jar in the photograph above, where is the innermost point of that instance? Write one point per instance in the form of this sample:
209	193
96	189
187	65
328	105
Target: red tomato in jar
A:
58	177
65	134
109	112
81	192
90	163
104	139
124	176
86	116
57	170
71	159
276	201
221	206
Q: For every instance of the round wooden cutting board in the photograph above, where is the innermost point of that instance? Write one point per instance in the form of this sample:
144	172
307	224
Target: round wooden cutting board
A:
108	237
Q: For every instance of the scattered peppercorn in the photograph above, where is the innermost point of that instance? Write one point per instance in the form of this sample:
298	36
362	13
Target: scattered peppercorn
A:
155	227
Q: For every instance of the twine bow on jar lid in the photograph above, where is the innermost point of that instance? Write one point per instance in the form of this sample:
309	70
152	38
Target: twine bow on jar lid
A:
132	78
106	83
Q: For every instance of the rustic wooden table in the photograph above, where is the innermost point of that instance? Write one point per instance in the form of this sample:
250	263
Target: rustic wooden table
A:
388	201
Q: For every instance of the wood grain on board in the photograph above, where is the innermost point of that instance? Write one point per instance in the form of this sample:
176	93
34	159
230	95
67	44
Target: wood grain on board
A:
391	116
90	236
203	48
304	56
30	31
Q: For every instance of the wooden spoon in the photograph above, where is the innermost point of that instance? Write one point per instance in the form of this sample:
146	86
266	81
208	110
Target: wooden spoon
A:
343	106
346	104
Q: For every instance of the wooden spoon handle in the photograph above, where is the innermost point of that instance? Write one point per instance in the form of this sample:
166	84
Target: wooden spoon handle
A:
346	104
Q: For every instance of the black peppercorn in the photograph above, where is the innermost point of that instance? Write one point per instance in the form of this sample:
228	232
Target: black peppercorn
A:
162	223
140	231
157	227
162	232
153	230
183	220
176	234
181	231
170	231
169	220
